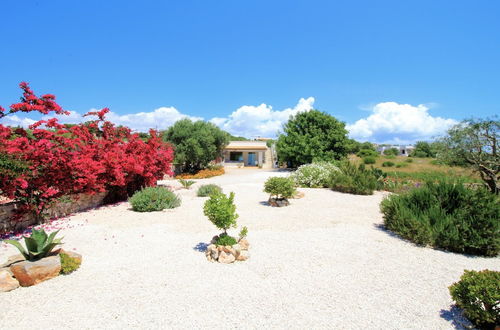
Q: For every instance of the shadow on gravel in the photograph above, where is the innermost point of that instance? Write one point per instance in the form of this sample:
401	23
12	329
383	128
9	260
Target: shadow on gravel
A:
201	247
455	317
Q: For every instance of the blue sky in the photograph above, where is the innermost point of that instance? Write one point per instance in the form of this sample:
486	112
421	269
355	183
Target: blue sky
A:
394	71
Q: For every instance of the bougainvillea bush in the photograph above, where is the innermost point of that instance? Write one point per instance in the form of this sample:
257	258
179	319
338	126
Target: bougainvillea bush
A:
50	160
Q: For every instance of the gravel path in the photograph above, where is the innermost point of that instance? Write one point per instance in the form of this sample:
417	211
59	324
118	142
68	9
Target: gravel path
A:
322	262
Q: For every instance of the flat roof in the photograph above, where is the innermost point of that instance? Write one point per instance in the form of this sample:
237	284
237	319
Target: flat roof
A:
246	145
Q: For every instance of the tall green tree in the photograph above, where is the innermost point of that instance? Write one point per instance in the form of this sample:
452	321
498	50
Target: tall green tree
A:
196	143
312	136
474	143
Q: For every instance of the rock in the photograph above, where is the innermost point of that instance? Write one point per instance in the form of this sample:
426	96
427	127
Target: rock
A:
29	273
214	239
7	282
236	250
278	202
227	248
212	251
12	260
244	255
226	258
243	243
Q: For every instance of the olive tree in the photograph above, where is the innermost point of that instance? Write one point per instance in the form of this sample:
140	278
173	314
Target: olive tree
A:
474	143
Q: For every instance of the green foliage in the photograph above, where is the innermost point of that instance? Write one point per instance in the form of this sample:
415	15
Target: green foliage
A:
369	160
208	189
186	183
446	215
312	136
243	232
367	153
38	245
425	149
270	143
237	138
68	264
388	164
12	167
404	164
391	151
315	175
390	157
221	210
225	239
154	199
280	187
215	167
478	295
475	143
196	143
409	160
354	180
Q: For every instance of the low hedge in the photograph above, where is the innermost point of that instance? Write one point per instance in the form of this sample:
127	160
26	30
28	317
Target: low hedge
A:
446	215
203	174
154	199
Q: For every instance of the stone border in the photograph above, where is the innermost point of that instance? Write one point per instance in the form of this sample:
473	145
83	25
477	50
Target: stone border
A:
78	203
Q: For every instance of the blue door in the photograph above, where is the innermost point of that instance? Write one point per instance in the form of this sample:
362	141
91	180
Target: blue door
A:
251	159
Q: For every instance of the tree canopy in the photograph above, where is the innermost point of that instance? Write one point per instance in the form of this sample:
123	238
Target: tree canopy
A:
196	143
312	136
474	143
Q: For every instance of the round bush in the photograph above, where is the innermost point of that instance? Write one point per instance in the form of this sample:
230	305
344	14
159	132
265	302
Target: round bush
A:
208	189
477	294
388	164
154	199
399	165
446	215
280	187
225	239
313	175
369	160
68	264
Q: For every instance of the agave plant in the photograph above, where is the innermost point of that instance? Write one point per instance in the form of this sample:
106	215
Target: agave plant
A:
186	183
38	245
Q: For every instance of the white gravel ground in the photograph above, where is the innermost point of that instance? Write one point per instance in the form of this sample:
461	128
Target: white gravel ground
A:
322	262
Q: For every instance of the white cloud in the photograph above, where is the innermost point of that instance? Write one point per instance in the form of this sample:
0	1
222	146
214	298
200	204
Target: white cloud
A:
14	120
262	120
160	119
391	122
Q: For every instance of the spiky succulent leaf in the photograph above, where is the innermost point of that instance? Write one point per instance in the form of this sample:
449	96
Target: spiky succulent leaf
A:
18	245
31	244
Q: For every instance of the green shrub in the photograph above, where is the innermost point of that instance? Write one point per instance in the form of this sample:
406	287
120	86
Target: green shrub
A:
391	151
208	189
313	175
186	183
279	187
354	180
446	215
367	152
225	239
409	160
419	154
388	164
390	157
68	264
215	167
221	210
38	244
478	295
369	160
243	232
399	165
154	199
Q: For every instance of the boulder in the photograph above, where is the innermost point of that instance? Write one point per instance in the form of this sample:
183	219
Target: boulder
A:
236	250
29	273
7	282
212	251
278	202
214	239
226	258
243	243
12	260
244	255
